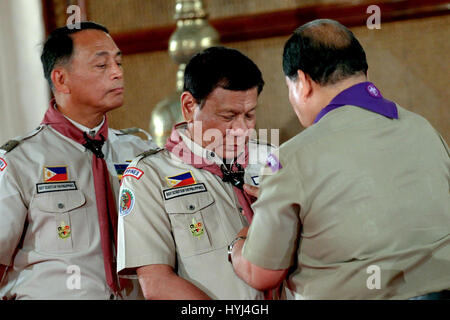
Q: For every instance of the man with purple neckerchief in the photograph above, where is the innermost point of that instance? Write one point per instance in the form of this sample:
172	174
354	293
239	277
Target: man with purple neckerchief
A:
357	205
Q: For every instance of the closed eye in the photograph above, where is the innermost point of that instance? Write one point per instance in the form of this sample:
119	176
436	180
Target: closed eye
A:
227	117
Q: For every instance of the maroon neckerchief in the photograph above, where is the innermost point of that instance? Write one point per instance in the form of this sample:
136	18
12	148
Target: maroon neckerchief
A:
176	146
106	204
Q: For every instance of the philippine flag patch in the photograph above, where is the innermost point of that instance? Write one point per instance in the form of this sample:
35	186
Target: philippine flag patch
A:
55	174
181	180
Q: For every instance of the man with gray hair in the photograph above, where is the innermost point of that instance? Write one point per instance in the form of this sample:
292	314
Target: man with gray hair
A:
358	203
58	184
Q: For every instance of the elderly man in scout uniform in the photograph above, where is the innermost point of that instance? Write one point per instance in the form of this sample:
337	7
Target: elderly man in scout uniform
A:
181	206
358	203
58	184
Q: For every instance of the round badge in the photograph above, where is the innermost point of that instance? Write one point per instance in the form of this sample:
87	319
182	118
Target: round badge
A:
373	91
126	202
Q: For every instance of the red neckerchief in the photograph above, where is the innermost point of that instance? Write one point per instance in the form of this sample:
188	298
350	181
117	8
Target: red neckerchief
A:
106	204
176	146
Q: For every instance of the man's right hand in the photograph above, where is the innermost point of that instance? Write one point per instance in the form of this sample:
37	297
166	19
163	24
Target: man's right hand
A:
160	282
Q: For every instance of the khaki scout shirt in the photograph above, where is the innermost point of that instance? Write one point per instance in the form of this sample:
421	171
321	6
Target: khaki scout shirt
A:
46	183
360	205
187	228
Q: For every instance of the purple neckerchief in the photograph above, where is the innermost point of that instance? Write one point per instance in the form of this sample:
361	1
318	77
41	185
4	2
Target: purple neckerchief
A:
364	95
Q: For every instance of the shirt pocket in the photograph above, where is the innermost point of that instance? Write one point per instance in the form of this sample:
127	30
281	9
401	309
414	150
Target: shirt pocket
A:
193	225
60	220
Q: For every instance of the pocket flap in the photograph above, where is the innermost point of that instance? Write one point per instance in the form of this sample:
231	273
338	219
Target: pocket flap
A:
189	203
60	201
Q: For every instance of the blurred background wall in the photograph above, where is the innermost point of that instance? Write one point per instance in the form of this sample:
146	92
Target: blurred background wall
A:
23	89
408	57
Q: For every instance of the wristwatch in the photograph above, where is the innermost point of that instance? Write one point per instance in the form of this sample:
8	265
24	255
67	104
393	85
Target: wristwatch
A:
231	245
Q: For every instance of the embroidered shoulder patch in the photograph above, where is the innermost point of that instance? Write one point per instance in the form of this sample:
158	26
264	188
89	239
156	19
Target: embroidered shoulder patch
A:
274	163
126	202
373	91
120	169
133	172
181	180
55	174
3	164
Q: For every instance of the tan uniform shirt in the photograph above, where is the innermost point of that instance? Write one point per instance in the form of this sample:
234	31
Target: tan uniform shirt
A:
188	227
360	206
49	230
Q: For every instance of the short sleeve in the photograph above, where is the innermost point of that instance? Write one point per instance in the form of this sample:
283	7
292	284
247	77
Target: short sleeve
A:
272	239
13	211
144	230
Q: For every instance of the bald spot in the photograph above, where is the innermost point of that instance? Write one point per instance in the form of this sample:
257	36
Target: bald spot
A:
327	32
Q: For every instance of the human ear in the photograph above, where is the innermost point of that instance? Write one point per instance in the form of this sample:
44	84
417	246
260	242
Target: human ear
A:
305	85
59	78
188	104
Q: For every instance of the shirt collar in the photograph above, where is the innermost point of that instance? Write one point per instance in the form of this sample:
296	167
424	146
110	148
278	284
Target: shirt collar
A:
364	95
92	132
196	148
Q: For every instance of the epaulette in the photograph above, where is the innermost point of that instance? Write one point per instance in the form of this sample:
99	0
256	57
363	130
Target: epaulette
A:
150	152
261	142
133	130
11	144
121	132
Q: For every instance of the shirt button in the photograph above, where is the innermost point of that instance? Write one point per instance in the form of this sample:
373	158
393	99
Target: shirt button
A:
111	297
241	210
60	205
191	207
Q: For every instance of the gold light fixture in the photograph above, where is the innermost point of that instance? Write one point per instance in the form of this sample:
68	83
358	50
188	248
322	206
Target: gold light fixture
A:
192	35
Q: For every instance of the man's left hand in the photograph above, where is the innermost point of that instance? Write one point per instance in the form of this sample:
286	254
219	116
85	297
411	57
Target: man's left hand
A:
243	232
251	190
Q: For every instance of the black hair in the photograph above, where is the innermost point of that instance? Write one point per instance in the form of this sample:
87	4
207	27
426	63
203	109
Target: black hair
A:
326	51
58	47
220	67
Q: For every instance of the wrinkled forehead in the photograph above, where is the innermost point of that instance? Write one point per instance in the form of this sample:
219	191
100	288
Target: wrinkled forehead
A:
236	101
91	41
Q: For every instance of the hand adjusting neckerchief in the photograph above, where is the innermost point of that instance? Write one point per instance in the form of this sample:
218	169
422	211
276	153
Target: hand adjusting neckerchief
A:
176	146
